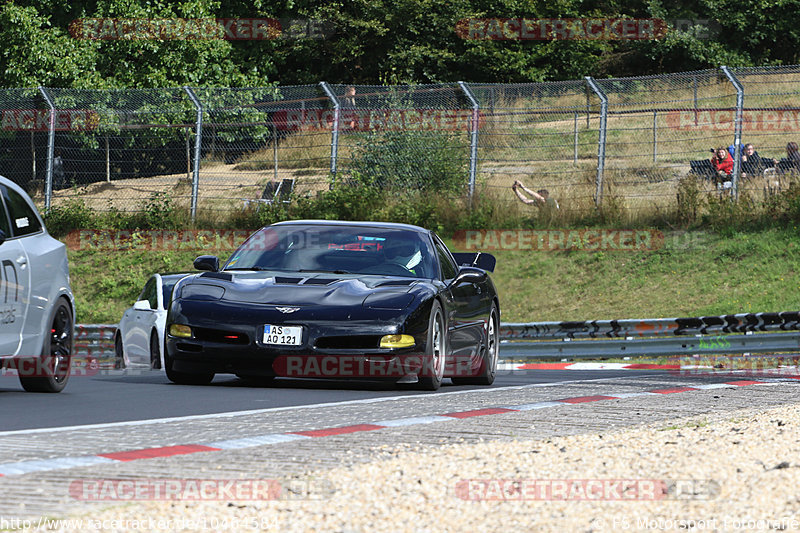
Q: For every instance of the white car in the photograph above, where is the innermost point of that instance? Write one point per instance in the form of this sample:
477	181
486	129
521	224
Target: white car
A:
140	334
37	309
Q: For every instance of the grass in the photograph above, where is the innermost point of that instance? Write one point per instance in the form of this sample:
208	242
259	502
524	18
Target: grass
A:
694	274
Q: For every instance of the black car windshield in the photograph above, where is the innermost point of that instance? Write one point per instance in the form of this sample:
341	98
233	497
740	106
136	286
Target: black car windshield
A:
337	249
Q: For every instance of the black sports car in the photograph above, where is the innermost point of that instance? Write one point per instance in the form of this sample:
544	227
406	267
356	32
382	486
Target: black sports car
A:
337	299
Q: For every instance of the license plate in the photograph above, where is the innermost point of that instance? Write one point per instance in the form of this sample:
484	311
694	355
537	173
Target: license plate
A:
283	335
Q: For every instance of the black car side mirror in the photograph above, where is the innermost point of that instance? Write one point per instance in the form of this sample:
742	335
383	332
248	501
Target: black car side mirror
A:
2	236
207	262
470	275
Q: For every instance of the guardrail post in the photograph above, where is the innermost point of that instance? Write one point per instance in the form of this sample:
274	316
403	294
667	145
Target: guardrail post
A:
335	128
51	140
601	142
737	130
198	140
473	143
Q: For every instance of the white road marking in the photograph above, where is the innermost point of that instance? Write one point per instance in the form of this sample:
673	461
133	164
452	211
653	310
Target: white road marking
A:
411	421
231	414
258	440
26	467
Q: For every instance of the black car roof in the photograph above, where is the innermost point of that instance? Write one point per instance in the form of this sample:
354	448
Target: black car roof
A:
384	225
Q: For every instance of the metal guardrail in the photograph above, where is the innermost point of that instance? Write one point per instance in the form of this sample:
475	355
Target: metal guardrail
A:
95	341
653	327
722	334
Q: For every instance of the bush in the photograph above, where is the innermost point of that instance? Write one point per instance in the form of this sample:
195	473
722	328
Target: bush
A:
356	202
410	160
690	199
71	215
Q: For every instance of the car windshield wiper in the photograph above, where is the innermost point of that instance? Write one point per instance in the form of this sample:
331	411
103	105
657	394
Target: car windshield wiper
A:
256	268
325	271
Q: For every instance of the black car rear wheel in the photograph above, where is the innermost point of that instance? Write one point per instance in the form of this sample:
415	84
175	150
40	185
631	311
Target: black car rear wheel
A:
50	372
488	368
432	373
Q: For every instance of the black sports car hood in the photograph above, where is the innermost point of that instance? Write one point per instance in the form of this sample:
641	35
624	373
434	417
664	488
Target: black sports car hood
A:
303	289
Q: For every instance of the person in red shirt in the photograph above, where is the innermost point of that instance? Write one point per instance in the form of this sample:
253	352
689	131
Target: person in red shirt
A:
723	164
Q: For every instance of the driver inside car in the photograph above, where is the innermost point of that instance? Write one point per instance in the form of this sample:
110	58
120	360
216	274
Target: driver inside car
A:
405	254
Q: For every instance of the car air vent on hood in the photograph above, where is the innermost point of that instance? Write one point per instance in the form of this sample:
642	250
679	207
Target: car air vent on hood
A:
287	281
217	275
319	281
400	282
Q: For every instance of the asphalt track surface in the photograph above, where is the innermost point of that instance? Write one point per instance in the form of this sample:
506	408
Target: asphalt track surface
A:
137	425
129	395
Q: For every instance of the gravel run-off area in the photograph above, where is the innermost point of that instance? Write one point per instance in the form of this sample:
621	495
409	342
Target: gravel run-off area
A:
735	471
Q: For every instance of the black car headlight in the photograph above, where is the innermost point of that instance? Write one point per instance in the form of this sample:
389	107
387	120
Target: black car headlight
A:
180	330
397	341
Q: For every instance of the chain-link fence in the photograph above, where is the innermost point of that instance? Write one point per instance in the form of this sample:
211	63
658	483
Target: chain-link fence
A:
625	142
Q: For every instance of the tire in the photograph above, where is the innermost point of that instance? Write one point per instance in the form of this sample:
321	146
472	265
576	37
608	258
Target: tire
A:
119	354
185	378
488	368
56	360
155	351
435	349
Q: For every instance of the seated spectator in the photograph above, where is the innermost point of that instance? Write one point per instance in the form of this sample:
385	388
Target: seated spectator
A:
752	163
790	163
732	149
793	152
723	166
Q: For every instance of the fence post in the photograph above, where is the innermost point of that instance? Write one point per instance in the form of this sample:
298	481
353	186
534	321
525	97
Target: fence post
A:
198	140
473	143
655	136
51	140
737	130
601	142
335	128
575	134
275	151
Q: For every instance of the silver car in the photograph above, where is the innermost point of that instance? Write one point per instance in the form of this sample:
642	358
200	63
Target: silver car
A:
37	308
140	334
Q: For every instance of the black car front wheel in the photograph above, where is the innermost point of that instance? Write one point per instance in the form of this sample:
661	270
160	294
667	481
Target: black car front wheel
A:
432	373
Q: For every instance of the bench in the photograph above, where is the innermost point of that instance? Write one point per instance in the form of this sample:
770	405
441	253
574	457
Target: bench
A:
703	169
273	192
